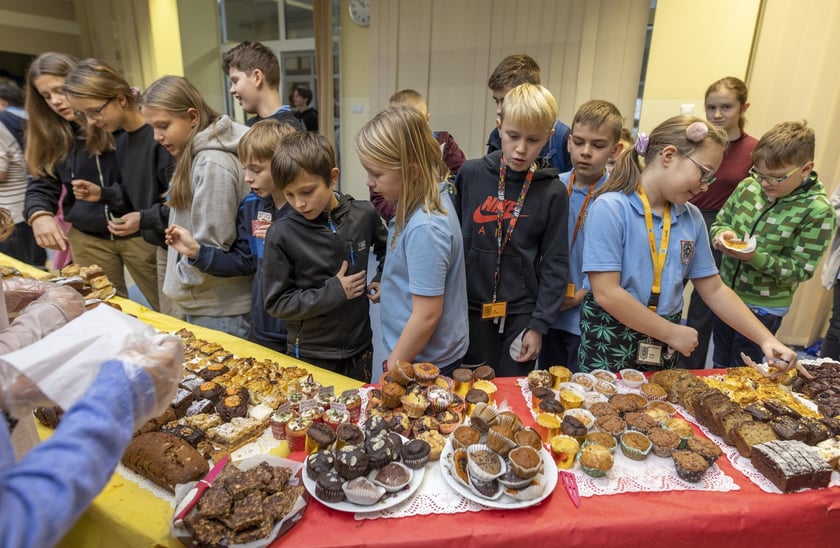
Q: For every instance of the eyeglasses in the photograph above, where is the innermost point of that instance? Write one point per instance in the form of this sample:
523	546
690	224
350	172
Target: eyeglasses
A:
769	179
96	113
707	176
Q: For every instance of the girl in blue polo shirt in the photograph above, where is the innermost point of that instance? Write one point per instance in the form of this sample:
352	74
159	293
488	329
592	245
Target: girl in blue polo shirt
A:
647	240
425	257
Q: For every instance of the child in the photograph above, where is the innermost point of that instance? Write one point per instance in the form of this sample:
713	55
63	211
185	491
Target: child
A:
782	204
254	74
207	187
453	156
316	257
511	72
58	151
306	113
425	253
258	210
513	218
596	130
646	242
135	205
830	274
726	103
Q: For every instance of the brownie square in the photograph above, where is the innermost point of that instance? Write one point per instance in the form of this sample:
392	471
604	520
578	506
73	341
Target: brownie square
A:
253	533
191	435
242	484
206	531
215	503
247	513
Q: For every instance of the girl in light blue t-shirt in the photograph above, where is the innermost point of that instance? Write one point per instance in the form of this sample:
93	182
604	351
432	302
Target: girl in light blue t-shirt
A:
423	290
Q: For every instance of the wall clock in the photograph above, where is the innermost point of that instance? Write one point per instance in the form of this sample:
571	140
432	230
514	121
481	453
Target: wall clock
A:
360	12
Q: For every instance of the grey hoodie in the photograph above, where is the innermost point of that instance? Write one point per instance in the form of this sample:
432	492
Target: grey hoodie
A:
218	186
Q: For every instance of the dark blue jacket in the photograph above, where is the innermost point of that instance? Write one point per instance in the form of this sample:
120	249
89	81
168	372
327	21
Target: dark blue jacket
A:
244	258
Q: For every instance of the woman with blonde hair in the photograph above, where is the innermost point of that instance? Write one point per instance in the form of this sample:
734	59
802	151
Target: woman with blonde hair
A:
425	257
207	187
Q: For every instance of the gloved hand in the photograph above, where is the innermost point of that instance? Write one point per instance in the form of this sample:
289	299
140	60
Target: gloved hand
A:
19	292
18	394
161	357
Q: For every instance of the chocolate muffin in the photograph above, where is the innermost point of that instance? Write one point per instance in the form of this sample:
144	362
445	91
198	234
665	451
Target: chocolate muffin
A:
462	375
320	436
351	462
328	487
551	406
484	373
319	463
415	454
476	396
374	426
572	426
350	434
379	451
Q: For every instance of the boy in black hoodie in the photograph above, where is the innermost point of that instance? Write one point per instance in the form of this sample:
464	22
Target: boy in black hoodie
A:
514	221
316	257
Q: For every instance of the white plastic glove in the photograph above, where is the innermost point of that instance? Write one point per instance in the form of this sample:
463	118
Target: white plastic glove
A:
161	357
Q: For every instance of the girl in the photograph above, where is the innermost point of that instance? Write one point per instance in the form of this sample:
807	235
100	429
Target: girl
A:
726	103
647	241
207	186
107	102
59	150
425	257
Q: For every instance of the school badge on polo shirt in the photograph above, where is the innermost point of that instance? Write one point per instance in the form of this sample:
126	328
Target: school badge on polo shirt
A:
686	251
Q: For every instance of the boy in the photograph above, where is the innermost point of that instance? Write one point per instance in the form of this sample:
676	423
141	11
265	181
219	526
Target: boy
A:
595	140
258	210
782	204
513	219
511	72
305	112
453	156
254	74
315	259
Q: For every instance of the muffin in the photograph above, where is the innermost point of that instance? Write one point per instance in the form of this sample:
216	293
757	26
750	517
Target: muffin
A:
600	438
559	374
296	433
527	437
483	416
564	449
402	373
690	466
539	394
548	425
319	436
392	394
664	406
707	449
351	462
442	381
425	424
439	398
457	404
510	420
473	397
415	404
447	421
484	373
602	409
319	463
278	424
573	426
624	403
362	491
659	415
425	373
596	460
664	441
399	422
551	406
415	454
635	445
436	443
464	436
375	426
393	477
379	451
334	417
539	378
484	464
462	379
500	440
352	402
632	378
571	398
611	424
604	375
641	422
349	434
681	427
586	380
653	391
525	462
486	386
605	388
328	487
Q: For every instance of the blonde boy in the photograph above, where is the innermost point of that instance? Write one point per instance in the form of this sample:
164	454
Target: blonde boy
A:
782	204
513	219
595	140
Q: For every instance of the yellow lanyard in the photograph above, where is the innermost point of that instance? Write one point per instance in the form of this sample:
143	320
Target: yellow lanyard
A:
656	255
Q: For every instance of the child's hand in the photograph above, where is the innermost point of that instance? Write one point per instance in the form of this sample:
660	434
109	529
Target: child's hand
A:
729	235
182	241
354	284
85	190
126	225
683	340
531	345
373	292
571	302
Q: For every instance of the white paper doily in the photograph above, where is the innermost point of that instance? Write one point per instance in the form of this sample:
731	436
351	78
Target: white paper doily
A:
743	464
630	476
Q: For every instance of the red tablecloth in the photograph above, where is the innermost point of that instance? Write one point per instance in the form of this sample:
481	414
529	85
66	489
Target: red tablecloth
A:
749	517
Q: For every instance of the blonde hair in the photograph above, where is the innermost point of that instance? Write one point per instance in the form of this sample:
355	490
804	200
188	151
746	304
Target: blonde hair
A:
399	138
785	144
260	142
176	95
302	151
599	114
530	105
49	137
411	98
625	174
7	224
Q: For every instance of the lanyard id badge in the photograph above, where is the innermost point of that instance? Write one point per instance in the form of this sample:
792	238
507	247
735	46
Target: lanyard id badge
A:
497	310
649	353
659	254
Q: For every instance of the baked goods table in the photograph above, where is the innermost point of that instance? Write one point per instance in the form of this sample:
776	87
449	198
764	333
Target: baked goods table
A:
124	514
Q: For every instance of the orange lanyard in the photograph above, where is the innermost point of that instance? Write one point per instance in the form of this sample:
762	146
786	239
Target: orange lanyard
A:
582	213
659	255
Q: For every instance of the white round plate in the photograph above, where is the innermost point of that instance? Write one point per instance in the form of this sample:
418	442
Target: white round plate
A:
751	243
505	502
387	501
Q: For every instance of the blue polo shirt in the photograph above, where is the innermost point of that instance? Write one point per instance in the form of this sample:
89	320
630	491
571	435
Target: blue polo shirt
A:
618	243
427	259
